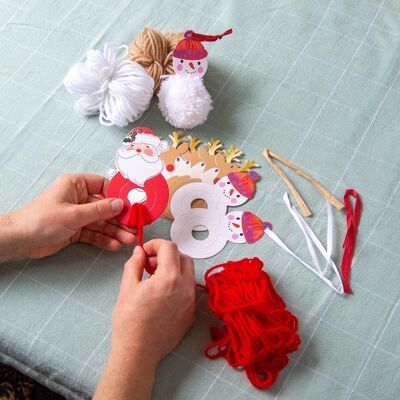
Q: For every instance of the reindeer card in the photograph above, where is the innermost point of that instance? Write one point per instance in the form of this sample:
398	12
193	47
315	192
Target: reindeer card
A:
188	161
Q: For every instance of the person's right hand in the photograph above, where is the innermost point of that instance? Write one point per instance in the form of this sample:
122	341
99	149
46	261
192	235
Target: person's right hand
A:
151	316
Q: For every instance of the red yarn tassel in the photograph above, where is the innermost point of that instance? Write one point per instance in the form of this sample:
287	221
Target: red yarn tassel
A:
258	331
138	218
353	220
206	38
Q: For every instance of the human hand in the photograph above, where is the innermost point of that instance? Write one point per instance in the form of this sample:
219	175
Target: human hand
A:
152	316
72	209
149	319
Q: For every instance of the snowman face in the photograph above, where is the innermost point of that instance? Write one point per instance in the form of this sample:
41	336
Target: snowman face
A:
190	67
235	231
228	192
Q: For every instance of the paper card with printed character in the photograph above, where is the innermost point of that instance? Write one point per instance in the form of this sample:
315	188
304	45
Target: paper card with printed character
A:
237	226
138	178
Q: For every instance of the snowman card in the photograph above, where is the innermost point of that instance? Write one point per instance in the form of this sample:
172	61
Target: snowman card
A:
236	226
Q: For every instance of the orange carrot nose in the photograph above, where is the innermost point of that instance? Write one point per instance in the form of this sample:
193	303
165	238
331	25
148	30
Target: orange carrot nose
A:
191	65
235	225
230	192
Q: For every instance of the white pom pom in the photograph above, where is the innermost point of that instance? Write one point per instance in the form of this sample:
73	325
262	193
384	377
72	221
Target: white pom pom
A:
184	101
117	89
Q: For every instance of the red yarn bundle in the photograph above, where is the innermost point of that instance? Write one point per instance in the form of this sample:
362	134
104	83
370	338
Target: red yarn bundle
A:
353	216
258	332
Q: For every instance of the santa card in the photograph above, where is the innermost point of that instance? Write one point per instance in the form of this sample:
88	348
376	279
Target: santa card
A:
138	178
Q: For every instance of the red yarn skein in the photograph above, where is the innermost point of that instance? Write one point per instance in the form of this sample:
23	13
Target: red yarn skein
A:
258	331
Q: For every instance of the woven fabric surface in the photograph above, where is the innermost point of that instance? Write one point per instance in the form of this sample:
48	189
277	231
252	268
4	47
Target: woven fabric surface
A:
314	80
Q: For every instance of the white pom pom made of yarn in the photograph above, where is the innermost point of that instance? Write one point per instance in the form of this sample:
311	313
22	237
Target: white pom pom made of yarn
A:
117	89
184	101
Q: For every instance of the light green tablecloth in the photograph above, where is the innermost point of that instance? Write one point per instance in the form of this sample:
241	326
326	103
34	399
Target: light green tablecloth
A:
317	81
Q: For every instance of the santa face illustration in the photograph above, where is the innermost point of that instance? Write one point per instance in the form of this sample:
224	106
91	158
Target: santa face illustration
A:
190	67
138	159
139	162
235	229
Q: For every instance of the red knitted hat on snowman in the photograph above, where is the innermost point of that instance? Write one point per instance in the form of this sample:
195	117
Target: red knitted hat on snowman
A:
244	182
190	48
146	136
253	227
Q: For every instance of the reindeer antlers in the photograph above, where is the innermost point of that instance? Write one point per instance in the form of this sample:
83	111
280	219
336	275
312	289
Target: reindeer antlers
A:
176	138
233	154
248	165
193	142
214	146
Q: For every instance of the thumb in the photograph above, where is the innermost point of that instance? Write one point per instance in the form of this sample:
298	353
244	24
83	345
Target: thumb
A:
101	210
133	270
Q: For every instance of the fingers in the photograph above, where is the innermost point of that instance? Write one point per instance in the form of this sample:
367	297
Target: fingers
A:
187	268
95	184
86	214
133	271
93	198
113	231
99	240
168	260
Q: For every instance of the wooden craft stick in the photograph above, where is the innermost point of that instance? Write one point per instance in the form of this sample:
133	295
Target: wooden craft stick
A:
270	155
299	200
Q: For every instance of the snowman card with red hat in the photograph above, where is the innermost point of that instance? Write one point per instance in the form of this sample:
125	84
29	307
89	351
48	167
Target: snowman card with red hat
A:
237	226
184	100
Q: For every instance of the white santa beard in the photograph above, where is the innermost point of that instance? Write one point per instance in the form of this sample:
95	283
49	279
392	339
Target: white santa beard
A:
137	169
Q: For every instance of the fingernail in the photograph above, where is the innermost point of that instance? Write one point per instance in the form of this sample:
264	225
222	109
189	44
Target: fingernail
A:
117	205
136	250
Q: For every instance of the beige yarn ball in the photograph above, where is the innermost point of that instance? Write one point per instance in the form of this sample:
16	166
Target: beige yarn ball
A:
153	50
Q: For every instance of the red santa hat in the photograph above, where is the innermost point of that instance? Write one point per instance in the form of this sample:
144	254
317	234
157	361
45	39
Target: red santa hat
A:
244	182
253	227
146	136
190	48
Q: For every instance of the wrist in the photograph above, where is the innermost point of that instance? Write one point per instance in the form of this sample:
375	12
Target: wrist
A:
11	237
128	374
131	357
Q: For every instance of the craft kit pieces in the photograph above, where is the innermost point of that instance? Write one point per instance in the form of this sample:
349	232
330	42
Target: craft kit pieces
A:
257	331
153	50
271	155
195	184
119	88
184	100
110	85
352	217
138	179
188	161
236	226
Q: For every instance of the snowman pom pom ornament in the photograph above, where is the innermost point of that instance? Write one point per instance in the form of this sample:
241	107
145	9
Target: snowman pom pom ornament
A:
184	100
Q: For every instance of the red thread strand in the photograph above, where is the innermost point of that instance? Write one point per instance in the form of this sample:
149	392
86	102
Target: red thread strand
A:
138	218
353	220
206	38
258	331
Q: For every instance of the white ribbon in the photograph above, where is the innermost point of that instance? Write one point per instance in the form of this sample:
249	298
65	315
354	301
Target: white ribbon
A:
312	242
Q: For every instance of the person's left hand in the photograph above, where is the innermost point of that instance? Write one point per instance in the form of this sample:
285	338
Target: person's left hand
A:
72	209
